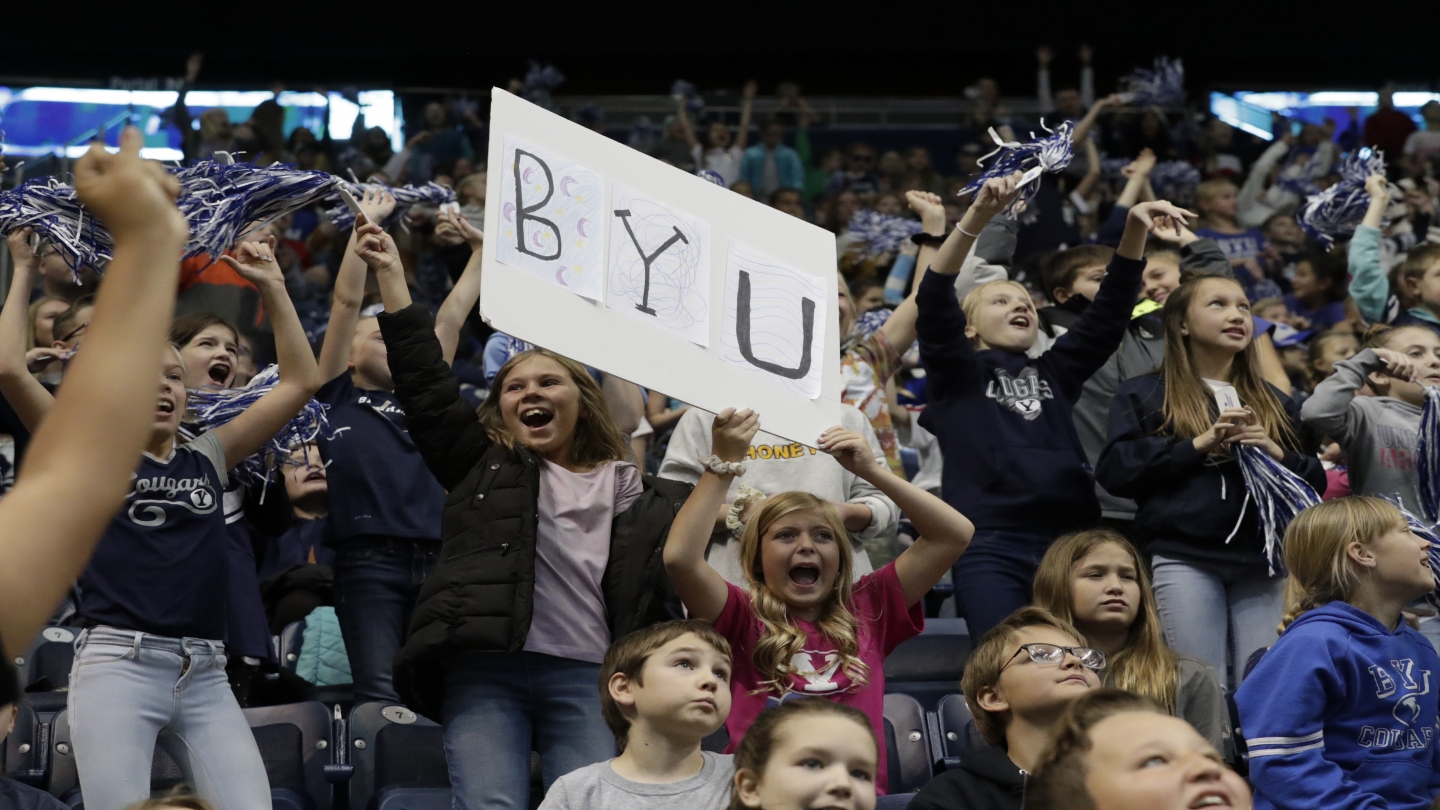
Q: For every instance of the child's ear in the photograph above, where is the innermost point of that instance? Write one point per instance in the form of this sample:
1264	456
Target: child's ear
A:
991	699
747	787
1061	294
970	332
1361	555
1412	286
622	690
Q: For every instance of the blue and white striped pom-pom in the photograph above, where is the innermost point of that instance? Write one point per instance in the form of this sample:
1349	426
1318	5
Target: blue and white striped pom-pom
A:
1174	180
53	210
1279	496
683	90
1051	153
712	176
405	196
222	201
1338	210
1163	86
542	77
881	234
214	408
1427	456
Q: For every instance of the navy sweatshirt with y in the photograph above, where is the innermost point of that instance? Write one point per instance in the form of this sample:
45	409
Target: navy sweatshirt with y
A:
1013	459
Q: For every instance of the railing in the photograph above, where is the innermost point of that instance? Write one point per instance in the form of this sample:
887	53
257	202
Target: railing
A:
90	135
620	111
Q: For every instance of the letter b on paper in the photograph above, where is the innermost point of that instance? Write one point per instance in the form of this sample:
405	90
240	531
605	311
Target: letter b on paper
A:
552	219
775	320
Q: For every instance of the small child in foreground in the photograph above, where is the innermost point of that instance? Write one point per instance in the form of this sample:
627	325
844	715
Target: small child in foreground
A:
807	753
663	689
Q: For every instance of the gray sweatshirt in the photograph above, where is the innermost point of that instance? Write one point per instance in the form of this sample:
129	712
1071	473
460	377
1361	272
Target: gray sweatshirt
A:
598	787
1379	434
780	465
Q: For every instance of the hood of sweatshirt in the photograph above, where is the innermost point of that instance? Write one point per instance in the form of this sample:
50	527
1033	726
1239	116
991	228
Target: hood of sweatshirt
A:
1353	620
993	765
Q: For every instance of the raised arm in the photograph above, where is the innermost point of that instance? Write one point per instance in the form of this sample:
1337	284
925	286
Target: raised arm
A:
1369	284
81	460
1137	174
1082	129
747	102
299	376
684	119
899	329
24	393
944	532
1328	410
350	291
451	227
700	587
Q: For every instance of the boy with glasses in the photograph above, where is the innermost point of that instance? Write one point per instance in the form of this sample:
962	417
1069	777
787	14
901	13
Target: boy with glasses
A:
1023	675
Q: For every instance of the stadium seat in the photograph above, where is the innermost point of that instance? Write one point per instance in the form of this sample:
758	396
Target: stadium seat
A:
25	753
957	731
291	640
894	802
294	742
399	760
927	667
1252	662
45	668
1242	750
907	749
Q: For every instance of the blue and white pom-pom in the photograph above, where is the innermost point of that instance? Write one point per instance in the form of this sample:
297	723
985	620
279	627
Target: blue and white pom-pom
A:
1338	210
1425	529
214	408
405	196
1174	180
712	176
1051	153
682	90
881	234
1279	496
1163	86
53	210
222	201
1427	456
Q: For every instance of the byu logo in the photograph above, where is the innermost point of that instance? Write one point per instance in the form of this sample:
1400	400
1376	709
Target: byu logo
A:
1384	684
1407	710
202	499
820	678
1023	395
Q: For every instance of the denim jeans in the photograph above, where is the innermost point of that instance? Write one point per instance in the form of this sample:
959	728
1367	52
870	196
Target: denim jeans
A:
131	691
1199	601
994	575
498	704
376	583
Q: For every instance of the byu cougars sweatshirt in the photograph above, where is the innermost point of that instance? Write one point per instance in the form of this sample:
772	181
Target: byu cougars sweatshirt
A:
1341	714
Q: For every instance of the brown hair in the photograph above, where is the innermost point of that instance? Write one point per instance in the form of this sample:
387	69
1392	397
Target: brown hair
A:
1145	665
1189	402
184	328
597	440
991	655
1154	248
34	312
1060	270
65	321
178	799
1420	259
758	745
1318	345
1058	782
782	640
1209	190
1316	550
628	656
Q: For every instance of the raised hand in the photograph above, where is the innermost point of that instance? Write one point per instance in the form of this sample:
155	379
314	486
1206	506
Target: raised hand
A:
1043	55
20	250
1140	165
1160	214
996	194
1377	186
732	432
132	196
850	449
452	228
377	204
1086	53
930	208
378	250
255	262
748	92
1397	365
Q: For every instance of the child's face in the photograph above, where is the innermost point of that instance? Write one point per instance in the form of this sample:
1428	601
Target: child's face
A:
719	136
75	330
818	761
1219	316
1274	312
170	405
1105	589
1336	349
872	299
888	205
1306	285
1027	688
1285	231
1398	562
1149	761
211	357
540	404
684	688
1005	319
800	556
45	321
1427	287
1223	203
1422	346
1294	358
1086	283
305	475
847	309
368	355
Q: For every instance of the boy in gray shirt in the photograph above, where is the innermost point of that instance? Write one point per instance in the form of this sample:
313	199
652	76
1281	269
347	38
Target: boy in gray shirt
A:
663	689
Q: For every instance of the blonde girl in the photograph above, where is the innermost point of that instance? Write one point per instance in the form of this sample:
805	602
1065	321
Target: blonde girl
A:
1341	711
800	627
1096	581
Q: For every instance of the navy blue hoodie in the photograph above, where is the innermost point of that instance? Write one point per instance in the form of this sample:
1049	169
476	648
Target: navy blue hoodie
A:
1341	714
1190	504
1003	420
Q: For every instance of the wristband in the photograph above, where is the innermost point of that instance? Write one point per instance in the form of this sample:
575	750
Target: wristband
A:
922	239
743	497
715	465
967	233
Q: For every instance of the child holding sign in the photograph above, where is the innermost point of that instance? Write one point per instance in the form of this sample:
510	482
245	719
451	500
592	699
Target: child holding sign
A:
801	626
1023	478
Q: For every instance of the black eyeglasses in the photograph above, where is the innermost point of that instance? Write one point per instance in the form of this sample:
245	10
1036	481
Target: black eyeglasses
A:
76	332
1054	654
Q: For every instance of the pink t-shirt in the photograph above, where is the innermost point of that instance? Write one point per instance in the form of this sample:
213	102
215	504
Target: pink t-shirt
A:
878	603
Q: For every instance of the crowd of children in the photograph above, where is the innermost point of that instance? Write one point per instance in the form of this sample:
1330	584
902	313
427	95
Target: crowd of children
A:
541	556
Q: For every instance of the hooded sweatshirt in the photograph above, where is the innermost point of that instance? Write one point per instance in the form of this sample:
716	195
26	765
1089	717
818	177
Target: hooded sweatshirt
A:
1379	434
985	780
1341	714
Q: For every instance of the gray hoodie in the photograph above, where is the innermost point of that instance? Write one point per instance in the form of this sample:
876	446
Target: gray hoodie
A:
1379	434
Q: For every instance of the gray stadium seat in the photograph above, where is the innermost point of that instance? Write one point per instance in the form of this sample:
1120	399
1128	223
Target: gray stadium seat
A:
906	746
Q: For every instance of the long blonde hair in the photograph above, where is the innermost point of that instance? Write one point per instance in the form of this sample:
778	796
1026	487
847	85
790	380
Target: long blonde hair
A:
782	640
596	441
1317	544
1189	403
1145	666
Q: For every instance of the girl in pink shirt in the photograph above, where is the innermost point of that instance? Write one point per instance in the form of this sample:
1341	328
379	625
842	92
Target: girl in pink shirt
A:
801	628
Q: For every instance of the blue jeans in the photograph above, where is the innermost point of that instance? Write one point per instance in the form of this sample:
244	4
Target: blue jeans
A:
994	575
498	704
130	691
377	581
1198	601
